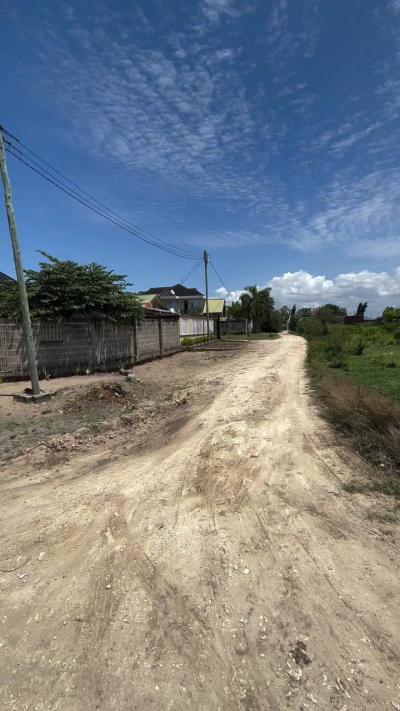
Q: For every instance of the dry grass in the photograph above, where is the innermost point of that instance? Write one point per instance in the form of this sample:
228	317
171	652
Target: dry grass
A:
372	422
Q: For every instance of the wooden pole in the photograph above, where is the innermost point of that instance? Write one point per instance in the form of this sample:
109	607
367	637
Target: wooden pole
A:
206	259
26	317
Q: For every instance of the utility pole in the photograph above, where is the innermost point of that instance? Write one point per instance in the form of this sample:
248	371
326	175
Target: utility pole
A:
206	260
30	346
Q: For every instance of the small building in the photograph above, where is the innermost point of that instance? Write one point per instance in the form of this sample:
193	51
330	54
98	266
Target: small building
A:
182	299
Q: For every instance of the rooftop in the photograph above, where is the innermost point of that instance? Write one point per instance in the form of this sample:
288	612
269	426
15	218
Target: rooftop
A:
215	306
178	289
5	277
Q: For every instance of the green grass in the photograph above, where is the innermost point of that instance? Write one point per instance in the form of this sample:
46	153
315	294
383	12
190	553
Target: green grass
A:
378	365
195	340
361	397
250	336
373	369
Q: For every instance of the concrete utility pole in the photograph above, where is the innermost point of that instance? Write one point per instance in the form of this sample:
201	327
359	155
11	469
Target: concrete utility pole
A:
206	260
30	346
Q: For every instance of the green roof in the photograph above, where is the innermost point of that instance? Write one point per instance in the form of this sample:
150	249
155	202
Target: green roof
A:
215	306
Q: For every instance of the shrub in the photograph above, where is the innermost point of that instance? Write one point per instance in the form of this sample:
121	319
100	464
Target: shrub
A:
312	327
357	347
194	340
66	289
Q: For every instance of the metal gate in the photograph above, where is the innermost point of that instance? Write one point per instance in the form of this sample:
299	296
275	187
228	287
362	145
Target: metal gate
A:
4	348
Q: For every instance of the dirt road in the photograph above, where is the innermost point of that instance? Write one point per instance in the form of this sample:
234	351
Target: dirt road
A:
218	565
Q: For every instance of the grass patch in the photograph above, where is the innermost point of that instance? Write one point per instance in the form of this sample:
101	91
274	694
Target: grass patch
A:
194	340
385	485
250	336
385	516
365	355
378	369
360	393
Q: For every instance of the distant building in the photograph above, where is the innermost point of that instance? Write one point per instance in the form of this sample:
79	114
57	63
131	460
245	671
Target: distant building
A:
181	299
4	278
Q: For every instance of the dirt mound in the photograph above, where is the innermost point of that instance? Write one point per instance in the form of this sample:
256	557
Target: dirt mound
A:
101	394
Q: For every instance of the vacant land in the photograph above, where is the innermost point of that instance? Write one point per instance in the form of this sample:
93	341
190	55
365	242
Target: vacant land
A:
87	411
364	355
211	561
356	370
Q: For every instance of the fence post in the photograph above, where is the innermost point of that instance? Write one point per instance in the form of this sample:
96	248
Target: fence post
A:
160	335
134	342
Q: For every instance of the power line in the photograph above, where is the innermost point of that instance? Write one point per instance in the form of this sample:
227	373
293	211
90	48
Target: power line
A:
73	193
191	272
112	216
117	223
88	195
220	278
91	197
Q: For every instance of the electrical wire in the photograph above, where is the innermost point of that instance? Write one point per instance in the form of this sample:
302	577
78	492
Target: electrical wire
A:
220	278
77	196
102	210
98	211
88	195
191	272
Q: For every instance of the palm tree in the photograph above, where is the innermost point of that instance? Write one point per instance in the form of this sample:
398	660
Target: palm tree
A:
257	305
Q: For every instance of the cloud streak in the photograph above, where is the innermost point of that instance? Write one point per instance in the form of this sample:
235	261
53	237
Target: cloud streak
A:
215	110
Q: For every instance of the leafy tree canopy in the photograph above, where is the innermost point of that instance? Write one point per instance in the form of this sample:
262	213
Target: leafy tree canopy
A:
391	313
257	305
66	289
361	308
330	313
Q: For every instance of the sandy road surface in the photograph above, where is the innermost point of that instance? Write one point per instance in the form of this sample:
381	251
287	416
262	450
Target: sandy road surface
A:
221	566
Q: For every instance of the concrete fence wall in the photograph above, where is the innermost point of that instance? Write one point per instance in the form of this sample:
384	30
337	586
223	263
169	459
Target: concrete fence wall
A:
71	347
194	326
228	327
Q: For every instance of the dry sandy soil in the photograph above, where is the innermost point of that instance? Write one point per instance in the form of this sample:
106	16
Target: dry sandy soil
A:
211	562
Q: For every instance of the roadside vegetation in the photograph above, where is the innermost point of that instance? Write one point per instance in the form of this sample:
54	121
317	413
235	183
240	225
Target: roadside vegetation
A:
66	289
257	305
250	336
195	340
355	369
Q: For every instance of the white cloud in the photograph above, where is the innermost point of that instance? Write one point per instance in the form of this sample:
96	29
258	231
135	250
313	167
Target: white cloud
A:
302	288
213	9
223	54
229	296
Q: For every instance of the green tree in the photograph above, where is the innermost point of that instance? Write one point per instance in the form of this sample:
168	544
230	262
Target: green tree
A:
391	313
330	313
285	311
66	289
258	304
293	320
235	311
304	312
361	309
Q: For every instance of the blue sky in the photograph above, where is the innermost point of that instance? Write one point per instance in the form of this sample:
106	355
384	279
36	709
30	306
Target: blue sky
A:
266	131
